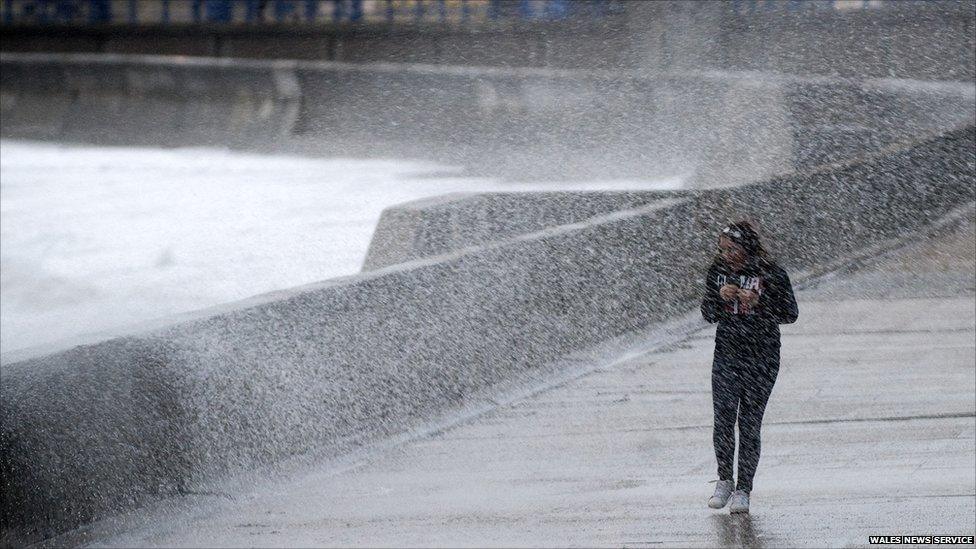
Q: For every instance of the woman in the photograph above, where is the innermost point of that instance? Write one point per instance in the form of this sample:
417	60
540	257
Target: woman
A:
749	296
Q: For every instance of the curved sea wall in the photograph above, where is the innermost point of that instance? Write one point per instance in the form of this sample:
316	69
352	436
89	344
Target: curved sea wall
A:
97	429
719	127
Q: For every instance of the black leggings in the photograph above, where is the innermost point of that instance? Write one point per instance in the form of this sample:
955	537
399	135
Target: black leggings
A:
741	384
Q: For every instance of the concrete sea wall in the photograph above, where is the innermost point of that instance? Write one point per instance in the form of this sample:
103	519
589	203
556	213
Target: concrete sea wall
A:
97	429
717	128
438	225
447	223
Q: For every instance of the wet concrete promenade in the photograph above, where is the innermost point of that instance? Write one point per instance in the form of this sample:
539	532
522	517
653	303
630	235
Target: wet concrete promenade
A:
871	430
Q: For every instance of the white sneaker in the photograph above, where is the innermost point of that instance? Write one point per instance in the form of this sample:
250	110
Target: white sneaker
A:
723	489
739	502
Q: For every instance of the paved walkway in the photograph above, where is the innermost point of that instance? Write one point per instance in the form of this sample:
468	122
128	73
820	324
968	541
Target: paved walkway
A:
871	429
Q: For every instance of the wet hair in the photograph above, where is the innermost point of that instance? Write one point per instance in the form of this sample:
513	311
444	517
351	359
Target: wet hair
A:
744	234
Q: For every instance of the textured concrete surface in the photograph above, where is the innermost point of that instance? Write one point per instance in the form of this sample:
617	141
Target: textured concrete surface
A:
449	222
870	431
856	197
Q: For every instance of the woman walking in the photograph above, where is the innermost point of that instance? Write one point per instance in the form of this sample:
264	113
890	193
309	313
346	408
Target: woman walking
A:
749	296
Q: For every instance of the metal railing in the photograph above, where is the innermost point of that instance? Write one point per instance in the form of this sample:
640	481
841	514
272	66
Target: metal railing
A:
257	12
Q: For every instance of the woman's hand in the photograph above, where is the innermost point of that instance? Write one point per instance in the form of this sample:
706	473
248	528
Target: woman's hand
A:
729	292
748	297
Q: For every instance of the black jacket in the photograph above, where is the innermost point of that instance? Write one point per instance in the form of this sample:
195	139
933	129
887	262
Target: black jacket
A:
743	330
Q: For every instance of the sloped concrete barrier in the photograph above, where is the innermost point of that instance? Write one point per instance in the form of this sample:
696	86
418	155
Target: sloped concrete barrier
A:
100	428
433	226
429	227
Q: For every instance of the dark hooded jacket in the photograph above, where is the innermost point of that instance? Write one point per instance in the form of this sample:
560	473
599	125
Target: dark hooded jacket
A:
749	331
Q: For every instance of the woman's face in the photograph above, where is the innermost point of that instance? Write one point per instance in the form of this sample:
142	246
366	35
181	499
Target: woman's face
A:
731	253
